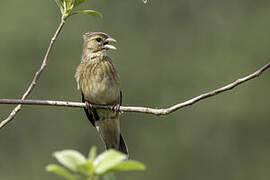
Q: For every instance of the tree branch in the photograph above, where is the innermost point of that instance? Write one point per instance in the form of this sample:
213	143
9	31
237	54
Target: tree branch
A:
140	109
36	77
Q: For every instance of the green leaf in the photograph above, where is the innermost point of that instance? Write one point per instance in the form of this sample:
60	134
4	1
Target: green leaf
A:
70	2
129	165
78	2
86	168
93	153
65	5
90	12
60	5
67	1
107	160
70	158
53	168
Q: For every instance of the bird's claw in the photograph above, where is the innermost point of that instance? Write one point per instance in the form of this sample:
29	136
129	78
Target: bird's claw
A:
89	106
116	108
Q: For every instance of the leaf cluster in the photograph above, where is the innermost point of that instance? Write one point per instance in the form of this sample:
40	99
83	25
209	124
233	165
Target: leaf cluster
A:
67	8
77	167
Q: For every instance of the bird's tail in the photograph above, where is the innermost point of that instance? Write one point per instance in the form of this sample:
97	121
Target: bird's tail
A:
109	131
122	147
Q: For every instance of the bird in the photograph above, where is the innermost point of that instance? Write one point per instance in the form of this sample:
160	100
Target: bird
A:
99	83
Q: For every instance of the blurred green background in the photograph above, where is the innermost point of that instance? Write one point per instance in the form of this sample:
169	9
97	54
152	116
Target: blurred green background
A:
168	52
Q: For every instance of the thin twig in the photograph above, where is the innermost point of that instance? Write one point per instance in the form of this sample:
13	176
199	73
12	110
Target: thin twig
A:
36	77
141	109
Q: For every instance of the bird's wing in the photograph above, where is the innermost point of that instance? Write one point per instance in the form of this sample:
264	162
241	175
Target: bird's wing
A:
120	98
88	114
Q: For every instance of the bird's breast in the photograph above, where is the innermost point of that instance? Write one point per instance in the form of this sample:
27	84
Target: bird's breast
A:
100	83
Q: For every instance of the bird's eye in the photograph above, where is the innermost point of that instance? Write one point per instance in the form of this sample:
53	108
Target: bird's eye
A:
98	39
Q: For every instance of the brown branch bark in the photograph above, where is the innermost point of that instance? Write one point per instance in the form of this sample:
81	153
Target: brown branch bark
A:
141	109
36	77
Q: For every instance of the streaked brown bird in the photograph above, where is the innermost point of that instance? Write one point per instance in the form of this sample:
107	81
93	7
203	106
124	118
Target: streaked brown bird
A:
99	83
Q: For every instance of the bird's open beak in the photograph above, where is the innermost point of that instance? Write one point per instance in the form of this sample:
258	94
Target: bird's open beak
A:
107	45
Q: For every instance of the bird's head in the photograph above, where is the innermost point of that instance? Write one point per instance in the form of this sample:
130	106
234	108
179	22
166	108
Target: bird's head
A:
95	42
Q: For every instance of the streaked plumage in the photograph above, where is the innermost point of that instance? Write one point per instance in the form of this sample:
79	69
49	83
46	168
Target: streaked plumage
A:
99	83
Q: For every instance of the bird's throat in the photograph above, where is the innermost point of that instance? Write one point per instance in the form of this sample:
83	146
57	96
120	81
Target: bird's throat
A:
95	55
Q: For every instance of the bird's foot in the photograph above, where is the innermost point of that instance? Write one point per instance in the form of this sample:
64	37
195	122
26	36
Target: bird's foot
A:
89	106
116	108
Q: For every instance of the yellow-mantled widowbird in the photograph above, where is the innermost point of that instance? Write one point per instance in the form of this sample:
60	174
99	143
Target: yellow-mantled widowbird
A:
99	83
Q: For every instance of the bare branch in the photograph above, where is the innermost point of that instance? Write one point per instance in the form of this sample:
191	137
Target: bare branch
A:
36	77
140	109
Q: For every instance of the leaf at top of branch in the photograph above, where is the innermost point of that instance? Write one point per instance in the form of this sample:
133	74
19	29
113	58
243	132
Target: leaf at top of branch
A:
60	5
90	12
78	2
70	4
